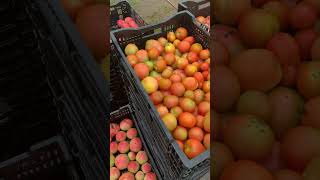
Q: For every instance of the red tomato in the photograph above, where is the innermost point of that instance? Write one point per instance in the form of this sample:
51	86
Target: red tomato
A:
245	170
193	148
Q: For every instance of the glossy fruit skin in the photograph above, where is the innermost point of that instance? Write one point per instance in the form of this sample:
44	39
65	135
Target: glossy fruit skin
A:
141	70
255	103
180	133
280	10
223	157
287	109
261	75
244	169
257	27
181	33
187	120
224	97
286	56
229	37
170	121
296	157
196	133
248	137
308	79
193	148
302	16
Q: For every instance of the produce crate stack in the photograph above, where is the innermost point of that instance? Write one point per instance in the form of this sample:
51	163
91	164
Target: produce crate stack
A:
122	10
52	86
170	159
196	8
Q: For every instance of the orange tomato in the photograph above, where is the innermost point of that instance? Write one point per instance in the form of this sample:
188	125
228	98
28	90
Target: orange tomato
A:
187	120
193	148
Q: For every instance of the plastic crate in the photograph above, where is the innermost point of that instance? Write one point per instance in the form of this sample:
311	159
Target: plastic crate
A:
118	96
127	112
172	162
196	8
41	161
122	10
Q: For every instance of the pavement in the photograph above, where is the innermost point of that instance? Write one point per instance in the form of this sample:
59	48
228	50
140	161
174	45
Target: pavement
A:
155	11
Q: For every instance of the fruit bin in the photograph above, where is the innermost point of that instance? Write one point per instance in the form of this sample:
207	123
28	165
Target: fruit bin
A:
128	112
48	158
49	71
122	10
172	162
196	8
118	96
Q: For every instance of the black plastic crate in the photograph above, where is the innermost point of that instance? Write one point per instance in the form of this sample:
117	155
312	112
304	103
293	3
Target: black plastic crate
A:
61	84
196	8
122	10
48	159
78	83
127	112
172	162
118	96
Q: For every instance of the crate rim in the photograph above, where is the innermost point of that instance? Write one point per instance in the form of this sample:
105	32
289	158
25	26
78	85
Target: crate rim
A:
185	160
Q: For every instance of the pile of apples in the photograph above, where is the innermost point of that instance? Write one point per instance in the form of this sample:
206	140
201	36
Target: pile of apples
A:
128	22
266	89
204	20
128	160
175	72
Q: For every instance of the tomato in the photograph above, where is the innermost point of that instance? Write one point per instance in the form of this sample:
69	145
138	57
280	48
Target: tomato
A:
299	146
245	170
287	107
274	161
226	88
196	133
222	157
248	137
187	120
193	148
308	79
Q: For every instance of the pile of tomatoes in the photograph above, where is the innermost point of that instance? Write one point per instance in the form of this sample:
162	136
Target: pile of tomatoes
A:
266	90
175	72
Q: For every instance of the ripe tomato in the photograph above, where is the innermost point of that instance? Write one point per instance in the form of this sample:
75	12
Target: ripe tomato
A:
245	170
193	148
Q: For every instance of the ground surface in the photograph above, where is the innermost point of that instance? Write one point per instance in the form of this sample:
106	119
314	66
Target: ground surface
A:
155	11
